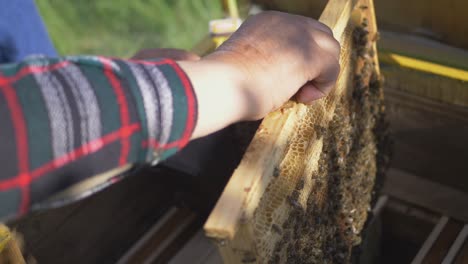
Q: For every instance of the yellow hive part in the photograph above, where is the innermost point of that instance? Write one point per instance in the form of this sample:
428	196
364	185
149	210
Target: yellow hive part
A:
424	66
5	236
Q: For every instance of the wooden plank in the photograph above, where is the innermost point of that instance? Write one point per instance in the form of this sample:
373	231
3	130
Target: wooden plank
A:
190	227
153	244
423	48
457	245
268	147
441	20
462	257
432	86
427	194
431	239
441	246
430	138
404	228
431	109
424	66
441	88
199	250
379	205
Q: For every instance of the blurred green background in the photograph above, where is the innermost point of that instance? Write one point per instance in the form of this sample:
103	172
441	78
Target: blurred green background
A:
122	27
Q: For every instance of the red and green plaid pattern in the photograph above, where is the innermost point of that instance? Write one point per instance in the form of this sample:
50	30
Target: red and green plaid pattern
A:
63	120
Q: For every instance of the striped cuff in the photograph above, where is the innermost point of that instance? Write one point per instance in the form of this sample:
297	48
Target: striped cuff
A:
181	123
170	107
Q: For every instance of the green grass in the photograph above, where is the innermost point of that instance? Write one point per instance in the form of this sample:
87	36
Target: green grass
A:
122	27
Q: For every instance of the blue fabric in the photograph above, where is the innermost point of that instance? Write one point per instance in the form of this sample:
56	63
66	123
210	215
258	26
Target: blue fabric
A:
22	32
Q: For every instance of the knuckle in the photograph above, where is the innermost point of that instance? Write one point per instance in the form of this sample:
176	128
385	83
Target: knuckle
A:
337	46
332	68
320	26
325	28
327	43
335	42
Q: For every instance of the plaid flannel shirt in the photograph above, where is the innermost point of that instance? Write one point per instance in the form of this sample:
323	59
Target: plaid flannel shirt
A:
63	120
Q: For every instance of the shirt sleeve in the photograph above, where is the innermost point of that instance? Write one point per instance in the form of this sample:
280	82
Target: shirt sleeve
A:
64	120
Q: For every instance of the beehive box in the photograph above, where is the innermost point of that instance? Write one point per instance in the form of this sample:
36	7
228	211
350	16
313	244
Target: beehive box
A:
303	189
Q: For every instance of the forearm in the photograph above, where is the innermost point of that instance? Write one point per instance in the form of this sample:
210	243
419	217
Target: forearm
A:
221	97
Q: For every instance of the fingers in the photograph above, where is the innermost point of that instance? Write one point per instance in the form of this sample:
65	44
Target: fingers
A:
320	26
328	43
309	93
323	83
323	36
327	69
175	54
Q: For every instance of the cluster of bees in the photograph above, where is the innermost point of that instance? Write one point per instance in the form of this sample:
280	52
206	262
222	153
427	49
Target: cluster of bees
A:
354	152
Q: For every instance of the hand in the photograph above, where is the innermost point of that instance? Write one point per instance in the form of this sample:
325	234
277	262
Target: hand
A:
271	58
282	55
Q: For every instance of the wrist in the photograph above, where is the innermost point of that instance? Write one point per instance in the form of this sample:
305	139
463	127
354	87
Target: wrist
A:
219	87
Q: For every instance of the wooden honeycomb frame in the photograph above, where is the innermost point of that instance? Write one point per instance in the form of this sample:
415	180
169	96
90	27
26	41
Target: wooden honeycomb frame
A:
277	138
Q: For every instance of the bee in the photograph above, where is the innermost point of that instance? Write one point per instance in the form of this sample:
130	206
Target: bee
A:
276	229
300	184
319	130
248	257
276	172
365	22
318	220
294	203
376	36
275	259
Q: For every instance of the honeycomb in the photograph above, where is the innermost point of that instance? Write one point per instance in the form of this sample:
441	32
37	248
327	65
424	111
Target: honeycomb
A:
314	209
